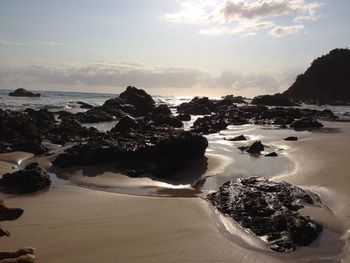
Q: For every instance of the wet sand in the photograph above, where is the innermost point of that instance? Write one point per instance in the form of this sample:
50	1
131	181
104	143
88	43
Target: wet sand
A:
74	224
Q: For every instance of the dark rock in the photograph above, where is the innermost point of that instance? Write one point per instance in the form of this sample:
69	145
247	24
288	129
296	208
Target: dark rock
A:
125	125
169	120
142	101
197	106
306	123
162	109
255	148
209	124
94	115
30	180
184	117
273	154
69	130
268	209
237	138
152	151
233	99
84	105
291	138
273	100
23	93
327	79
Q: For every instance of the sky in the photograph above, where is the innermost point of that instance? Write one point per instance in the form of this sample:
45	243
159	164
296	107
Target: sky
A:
167	47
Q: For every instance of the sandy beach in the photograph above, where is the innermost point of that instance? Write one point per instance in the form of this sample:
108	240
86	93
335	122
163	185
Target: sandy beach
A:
74	224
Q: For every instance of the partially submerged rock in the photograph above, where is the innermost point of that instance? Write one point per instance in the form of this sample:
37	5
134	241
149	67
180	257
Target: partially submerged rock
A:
291	138
30	180
237	138
23	93
256	148
272	154
157	151
270	210
306	123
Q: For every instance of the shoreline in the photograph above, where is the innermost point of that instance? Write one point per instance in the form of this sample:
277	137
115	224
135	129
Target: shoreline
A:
85	224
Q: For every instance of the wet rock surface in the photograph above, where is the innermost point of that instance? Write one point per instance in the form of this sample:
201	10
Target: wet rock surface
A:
268	209
273	100
255	148
305	123
156	151
23	93
29	180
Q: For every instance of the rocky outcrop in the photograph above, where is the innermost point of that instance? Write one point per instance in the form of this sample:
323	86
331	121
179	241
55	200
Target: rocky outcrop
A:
157	151
326	80
197	106
273	100
23	93
24	131
306	123
268	209
30	180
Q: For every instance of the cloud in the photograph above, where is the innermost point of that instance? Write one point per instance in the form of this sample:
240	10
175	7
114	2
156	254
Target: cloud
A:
281	31
13	43
32	43
119	75
219	17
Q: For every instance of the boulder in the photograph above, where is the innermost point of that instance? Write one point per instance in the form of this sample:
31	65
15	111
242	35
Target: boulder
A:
152	151
237	138
125	124
269	210
30	180
256	148
23	93
197	106
184	117
291	138
306	123
272	154
84	105
142	101
273	100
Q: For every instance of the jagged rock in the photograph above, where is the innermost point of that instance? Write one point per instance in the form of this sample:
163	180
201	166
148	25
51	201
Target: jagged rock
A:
84	105
142	101
152	150
237	138
273	100
305	123
269	209
184	117
233	99
272	154
291	138
209	124
23	93
162	109
256	148
94	115
30	180
126	124
197	106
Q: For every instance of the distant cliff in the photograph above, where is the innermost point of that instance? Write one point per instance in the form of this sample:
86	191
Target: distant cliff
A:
327	79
